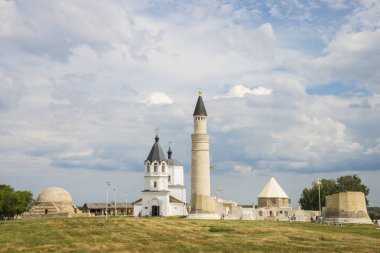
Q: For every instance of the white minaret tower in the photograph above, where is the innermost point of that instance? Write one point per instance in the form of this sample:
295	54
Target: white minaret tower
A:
202	204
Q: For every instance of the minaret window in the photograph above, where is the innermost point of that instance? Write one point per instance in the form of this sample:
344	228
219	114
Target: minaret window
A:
155	167
169	179
163	167
155	184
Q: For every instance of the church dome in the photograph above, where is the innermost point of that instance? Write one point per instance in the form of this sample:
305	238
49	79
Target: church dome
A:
54	194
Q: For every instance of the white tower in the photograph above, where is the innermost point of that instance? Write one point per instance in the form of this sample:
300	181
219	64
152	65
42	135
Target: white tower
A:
202	204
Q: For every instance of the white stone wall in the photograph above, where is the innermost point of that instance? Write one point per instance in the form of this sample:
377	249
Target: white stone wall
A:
177	175
177	209
178	193
137	209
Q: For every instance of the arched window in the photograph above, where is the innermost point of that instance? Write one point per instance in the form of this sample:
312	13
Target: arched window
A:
155	167
163	167
148	167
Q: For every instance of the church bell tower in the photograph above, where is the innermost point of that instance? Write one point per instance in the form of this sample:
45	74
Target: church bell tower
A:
202	204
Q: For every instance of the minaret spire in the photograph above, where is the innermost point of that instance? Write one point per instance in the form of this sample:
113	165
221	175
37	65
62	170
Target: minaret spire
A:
202	204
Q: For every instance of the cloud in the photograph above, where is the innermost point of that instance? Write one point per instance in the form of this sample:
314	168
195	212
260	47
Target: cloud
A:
10	93
76	79
243	169
10	20
241	91
158	98
337	4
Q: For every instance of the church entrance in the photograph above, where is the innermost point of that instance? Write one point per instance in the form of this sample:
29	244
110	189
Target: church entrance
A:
155	210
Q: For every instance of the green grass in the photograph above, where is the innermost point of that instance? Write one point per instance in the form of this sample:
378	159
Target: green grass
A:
123	234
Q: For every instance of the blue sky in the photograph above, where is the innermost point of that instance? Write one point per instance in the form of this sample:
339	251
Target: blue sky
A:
291	89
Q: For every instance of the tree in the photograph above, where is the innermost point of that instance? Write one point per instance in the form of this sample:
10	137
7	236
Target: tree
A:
310	200
14	203
352	183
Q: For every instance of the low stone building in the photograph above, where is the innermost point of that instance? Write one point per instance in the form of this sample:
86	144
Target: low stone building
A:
53	202
95	209
346	207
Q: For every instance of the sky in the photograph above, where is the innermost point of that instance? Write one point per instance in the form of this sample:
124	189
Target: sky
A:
291	88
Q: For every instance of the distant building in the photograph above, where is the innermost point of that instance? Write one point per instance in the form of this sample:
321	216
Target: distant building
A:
346	207
101	208
53	202
273	195
164	191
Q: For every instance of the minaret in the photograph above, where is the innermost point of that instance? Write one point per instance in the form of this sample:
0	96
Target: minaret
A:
201	201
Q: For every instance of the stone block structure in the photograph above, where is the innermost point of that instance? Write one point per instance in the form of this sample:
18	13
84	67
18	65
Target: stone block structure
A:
346	207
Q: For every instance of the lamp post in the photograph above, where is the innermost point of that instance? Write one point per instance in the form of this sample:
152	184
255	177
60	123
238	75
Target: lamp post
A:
114	191
126	204
107	186
319	194
219	190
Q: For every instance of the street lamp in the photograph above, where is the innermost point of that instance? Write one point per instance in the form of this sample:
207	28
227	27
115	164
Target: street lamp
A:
114	191
319	194
126	204
107	186
219	190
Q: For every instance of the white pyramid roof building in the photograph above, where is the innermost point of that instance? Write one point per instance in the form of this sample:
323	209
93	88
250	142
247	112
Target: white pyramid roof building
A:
272	190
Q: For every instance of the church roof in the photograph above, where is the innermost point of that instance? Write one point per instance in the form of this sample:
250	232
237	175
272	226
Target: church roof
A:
174	200
170	161
156	153
173	162
200	108
272	190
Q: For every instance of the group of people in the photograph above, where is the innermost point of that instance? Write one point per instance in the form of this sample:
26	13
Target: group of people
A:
318	219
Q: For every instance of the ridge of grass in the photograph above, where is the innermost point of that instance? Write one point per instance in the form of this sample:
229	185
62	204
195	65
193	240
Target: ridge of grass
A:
128	234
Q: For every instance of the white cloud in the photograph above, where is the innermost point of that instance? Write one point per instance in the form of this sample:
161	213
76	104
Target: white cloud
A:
10	93
243	169
10	20
89	70
240	91
158	98
337	4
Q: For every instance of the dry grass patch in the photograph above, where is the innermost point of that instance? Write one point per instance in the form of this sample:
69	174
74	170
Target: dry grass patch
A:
123	234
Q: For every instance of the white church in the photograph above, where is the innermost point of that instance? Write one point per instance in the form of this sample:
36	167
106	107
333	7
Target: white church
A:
164	191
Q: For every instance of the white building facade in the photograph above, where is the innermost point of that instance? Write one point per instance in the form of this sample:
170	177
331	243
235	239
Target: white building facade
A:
164	191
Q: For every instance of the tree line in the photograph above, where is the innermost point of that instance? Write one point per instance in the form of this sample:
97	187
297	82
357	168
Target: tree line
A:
14	203
310	197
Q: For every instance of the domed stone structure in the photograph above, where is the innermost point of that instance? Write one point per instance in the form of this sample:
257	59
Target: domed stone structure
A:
55	194
53	202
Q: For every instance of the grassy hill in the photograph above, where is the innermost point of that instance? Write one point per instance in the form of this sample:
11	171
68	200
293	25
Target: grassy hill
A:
123	234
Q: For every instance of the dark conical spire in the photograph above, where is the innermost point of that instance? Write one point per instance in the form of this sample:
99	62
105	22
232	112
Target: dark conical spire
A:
170	153
200	109
156	153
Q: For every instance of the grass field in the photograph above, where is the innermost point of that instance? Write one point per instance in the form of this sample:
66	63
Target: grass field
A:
123	234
